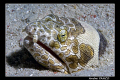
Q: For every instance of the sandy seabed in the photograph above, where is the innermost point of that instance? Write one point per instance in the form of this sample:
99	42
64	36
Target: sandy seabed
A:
19	62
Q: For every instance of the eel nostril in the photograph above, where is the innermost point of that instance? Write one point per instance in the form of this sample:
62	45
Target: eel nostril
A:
35	28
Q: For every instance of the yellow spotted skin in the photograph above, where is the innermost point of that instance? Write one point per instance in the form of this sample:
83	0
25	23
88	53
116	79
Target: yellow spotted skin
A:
74	42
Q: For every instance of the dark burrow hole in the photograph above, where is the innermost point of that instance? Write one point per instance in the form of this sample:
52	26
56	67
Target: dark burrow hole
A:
103	43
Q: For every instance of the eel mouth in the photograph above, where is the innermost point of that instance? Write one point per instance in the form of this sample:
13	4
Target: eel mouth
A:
47	49
50	51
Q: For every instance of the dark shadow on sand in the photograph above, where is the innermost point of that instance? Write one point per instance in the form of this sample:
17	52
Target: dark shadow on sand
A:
23	59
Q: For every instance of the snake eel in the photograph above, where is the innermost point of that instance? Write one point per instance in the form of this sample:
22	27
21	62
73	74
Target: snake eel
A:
63	44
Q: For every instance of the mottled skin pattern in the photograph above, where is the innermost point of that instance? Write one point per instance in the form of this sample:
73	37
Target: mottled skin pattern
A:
60	35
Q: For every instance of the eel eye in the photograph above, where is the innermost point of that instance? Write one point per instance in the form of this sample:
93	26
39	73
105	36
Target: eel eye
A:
62	35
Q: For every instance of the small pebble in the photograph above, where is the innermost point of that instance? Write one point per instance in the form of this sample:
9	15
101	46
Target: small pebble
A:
31	75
